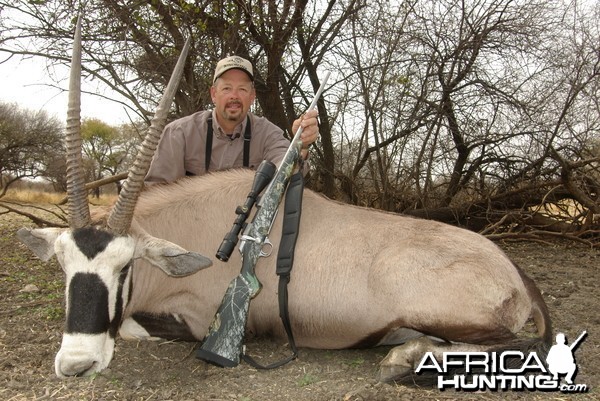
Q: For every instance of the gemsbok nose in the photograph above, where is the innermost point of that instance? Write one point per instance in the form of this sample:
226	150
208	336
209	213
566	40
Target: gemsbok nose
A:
75	364
83	354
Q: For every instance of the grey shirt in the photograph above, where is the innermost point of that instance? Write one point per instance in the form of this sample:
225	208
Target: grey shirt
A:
182	147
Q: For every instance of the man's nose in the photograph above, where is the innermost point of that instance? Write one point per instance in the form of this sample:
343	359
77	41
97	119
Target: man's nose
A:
234	94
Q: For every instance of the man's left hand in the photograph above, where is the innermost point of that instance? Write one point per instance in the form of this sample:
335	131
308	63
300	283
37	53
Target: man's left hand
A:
310	129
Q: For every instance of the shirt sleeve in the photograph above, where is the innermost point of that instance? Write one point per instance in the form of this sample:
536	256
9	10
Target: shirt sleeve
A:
168	162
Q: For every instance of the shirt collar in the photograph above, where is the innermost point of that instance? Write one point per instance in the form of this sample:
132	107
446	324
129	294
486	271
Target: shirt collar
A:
237	132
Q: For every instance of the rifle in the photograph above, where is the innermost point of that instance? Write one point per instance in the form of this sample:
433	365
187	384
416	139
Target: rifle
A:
575	343
222	345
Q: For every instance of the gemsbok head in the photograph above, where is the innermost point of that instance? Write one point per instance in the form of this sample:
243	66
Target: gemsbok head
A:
96	258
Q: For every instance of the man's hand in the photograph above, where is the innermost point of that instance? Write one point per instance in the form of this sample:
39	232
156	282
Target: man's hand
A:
310	129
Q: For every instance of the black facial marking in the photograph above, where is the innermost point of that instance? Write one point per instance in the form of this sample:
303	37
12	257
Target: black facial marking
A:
119	307
88	305
164	326
91	241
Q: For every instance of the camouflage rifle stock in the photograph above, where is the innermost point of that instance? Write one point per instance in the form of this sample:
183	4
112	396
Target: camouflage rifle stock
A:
222	345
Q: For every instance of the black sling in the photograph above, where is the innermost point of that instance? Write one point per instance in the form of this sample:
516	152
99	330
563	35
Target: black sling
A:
209	139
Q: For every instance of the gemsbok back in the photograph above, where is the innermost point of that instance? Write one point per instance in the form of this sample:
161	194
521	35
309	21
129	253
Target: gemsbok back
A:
361	278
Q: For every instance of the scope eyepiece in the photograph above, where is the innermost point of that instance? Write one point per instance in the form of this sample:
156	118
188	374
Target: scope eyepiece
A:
228	244
225	250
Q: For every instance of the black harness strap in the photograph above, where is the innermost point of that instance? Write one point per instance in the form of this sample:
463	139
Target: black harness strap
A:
209	140
285	261
247	136
208	146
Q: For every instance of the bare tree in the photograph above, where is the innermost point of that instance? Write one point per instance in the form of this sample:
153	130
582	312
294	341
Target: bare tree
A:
454	104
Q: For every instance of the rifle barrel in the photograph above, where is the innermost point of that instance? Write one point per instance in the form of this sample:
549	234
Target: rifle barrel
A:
312	105
576	342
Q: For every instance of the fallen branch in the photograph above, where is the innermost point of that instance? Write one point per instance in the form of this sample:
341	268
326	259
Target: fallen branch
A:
39	221
538	235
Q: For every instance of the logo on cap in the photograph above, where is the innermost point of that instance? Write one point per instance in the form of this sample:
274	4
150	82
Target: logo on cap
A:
233	62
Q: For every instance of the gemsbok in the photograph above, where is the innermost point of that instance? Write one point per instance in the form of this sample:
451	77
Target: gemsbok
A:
362	277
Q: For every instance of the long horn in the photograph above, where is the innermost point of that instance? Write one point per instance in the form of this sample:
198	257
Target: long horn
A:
78	207
120	218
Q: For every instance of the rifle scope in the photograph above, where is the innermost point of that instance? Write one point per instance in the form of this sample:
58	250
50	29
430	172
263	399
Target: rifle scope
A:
264	174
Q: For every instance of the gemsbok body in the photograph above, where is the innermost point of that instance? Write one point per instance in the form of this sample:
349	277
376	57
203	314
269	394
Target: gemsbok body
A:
361	277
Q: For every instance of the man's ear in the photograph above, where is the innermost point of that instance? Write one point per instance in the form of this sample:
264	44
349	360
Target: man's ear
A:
213	92
40	240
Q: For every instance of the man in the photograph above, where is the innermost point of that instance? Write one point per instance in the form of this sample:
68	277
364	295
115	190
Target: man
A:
229	136
560	358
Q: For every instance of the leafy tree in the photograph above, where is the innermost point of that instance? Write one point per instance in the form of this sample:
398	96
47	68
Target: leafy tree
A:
29	143
107	150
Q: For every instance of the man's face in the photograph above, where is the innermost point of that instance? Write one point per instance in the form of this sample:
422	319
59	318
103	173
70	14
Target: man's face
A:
232	94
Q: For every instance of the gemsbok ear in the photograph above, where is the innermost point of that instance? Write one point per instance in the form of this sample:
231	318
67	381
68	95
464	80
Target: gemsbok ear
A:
169	257
40	240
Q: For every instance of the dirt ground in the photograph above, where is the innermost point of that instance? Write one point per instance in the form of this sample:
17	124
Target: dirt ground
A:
31	319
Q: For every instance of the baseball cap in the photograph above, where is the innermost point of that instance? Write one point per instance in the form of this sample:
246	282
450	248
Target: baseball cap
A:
232	62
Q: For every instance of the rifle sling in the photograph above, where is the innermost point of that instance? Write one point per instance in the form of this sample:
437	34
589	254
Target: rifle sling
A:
285	260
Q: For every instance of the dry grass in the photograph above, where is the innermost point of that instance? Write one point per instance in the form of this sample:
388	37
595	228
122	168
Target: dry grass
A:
31	196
